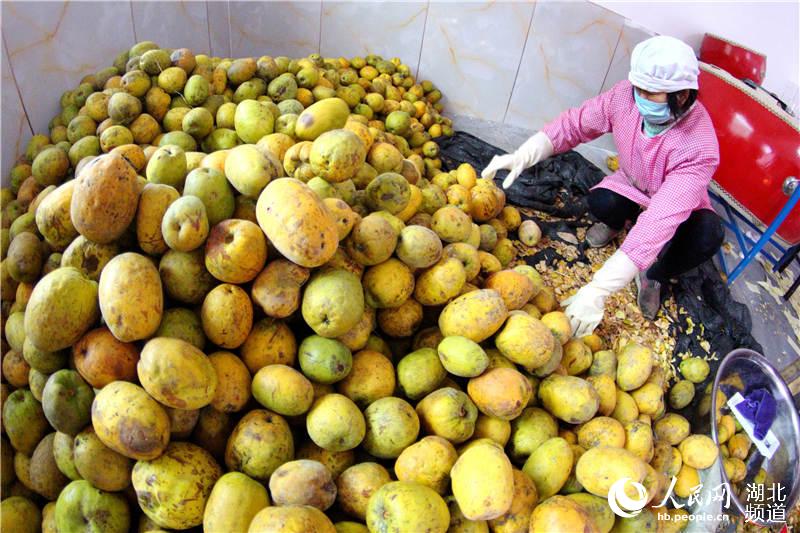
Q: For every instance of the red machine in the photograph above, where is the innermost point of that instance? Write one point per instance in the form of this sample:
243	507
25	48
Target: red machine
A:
740	61
759	147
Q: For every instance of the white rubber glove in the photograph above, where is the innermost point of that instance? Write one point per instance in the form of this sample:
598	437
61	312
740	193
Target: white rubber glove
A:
537	148
585	308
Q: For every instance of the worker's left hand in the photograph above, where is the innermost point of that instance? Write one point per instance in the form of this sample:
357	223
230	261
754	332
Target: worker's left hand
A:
585	309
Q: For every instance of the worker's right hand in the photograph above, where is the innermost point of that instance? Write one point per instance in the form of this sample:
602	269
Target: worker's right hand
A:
537	148
585	308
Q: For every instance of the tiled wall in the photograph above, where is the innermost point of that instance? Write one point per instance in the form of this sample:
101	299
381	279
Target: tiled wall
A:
515	62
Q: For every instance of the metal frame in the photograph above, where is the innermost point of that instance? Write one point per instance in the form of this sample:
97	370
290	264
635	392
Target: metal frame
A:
752	248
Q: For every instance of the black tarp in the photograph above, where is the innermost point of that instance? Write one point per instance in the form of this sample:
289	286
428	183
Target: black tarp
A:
558	187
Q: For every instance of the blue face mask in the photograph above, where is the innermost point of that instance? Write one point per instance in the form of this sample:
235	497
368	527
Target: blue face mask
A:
652	112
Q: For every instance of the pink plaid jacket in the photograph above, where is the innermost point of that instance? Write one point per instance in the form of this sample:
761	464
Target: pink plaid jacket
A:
668	175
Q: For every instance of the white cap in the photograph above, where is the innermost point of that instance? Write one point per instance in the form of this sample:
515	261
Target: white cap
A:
663	64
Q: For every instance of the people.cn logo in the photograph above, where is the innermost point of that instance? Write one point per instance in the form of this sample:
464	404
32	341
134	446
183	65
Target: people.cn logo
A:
621	503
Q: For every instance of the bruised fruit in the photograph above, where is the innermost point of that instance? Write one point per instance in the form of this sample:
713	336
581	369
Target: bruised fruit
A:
259	444
476	315
131	297
190	473
407	506
129	421
357	484
500	392
388	192
67	401
61	308
333	302
303	482
297	223
337	155
391	426
176	373
104	198
101	466
448	413
24	421
277	288
236	251
81	506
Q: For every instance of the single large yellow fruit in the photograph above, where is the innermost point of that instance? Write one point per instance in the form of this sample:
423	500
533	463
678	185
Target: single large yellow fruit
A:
634	364
483	482
476	315
569	398
61	308
104	199
333	303
500	392
129	421
131	297
259	444
297	223
233	502
153	204
357	484
526	341
325	115
173	489
601	467
429	462
698	451
177	374
227	315
549	466
601	431
406	506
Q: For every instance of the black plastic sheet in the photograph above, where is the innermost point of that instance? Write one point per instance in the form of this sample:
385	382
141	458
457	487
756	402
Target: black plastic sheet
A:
558	187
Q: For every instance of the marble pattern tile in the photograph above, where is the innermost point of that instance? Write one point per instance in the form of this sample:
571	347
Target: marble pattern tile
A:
566	58
385	28
51	46
621	62
618	70
274	28
181	24
16	131
219	28
471	50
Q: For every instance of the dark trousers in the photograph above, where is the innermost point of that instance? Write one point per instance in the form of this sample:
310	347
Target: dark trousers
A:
697	239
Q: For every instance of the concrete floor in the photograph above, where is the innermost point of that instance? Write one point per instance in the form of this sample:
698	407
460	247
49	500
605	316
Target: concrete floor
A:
776	324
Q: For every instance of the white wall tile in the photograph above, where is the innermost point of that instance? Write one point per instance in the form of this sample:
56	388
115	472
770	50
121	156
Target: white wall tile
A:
275	28
621	62
618	69
471	51
181	24
52	45
566	58
385	28
219	28
16	131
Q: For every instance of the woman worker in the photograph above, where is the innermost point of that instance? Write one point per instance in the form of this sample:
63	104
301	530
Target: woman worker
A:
668	153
